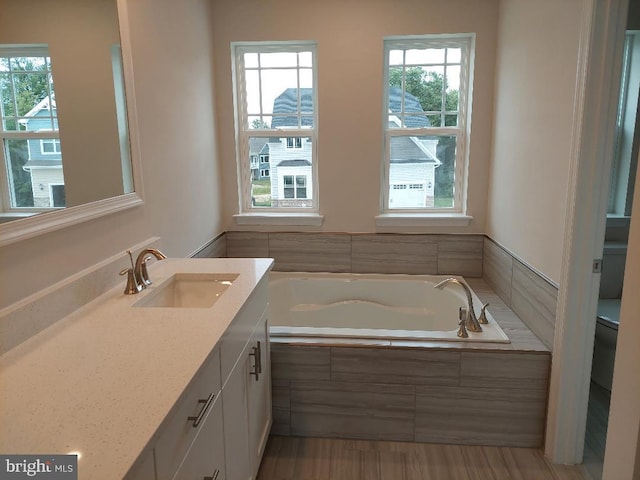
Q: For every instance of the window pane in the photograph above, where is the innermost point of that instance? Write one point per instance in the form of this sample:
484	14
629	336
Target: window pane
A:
424	56
421	172
454	55
276	83
281	170
250	60
305	59
396	57
21	192
306	78
252	85
279	59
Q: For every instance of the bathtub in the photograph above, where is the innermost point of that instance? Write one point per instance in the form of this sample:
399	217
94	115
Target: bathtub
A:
371	306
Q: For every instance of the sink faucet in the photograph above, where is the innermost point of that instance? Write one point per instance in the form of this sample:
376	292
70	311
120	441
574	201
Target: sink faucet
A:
471	321
140	268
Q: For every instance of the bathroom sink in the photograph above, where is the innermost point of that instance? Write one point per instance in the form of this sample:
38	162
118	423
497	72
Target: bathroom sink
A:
188	290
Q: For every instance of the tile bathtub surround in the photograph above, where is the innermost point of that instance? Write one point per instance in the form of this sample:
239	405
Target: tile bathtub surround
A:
530	296
409	394
25	318
459	391
363	253
216	248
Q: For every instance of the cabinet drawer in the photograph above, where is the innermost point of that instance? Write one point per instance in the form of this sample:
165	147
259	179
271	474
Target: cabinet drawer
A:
238	333
205	458
185	420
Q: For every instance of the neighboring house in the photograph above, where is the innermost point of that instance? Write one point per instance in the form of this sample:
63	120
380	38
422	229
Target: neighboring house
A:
412	166
44	161
259	157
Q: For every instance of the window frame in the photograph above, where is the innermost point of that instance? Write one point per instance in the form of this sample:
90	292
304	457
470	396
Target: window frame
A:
6	181
244	132
462	132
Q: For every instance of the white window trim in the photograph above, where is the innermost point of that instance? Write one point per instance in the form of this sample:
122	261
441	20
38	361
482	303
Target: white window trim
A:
56	142
455	216
261	215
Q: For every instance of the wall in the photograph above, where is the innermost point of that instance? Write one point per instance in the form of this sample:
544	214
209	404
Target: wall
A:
535	83
623	441
79	36
173	76
350	84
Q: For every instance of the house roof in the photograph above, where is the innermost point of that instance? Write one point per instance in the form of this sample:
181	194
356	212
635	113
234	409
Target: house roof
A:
42	163
257	145
299	162
46	102
287	102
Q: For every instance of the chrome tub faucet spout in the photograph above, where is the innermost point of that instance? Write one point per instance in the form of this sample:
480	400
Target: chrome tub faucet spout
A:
471	322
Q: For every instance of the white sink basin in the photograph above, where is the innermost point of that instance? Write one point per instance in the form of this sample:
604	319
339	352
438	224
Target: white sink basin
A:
188	290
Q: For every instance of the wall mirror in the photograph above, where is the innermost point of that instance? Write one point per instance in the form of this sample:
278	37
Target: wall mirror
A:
68	131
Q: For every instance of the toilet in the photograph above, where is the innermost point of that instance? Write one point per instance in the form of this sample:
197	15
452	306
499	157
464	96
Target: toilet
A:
608	319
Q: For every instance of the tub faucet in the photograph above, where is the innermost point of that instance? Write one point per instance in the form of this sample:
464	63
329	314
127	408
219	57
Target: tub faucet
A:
140	269
471	320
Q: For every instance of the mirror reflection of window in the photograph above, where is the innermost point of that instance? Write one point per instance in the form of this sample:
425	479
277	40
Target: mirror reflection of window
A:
31	153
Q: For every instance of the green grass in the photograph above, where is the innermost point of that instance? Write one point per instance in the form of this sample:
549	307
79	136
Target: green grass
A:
260	187
443	202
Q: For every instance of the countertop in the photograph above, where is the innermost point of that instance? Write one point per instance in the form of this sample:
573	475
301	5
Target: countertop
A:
100	381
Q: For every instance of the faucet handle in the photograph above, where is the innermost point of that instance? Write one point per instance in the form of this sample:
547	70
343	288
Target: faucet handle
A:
462	330
483	315
132	284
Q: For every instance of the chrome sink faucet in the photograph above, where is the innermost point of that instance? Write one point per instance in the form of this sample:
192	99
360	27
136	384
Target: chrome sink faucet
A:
471	322
140	268
138	276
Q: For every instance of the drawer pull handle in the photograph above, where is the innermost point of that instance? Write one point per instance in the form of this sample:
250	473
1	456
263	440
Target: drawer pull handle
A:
207	403
214	476
256	353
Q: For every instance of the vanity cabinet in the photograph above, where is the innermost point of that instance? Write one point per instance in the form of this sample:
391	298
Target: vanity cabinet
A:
247	406
219	427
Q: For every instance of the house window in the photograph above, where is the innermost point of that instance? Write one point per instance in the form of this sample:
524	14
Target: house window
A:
275	109
295	186
30	156
49	146
427	94
294	142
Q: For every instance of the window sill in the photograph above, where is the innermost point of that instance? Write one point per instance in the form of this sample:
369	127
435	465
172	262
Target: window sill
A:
423	220
286	219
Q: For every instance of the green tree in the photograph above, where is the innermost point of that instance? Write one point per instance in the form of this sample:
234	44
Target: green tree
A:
430	88
21	92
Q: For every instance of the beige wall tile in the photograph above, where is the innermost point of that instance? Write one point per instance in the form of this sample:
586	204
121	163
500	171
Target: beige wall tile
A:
310	252
247	244
392	366
352	410
290	362
534	300
497	269
460	255
480	416
216	249
508	370
390	253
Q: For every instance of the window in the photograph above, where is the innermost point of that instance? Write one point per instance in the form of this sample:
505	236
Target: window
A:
624	167
427	93
49	145
276	113
30	156
294	142
295	186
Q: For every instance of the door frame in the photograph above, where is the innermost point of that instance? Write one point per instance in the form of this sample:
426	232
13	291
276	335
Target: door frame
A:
603	24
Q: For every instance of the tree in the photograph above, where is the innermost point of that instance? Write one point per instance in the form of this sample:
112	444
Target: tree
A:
259	124
20	92
430	88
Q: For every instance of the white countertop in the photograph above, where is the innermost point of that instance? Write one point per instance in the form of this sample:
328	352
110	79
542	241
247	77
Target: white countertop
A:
100	381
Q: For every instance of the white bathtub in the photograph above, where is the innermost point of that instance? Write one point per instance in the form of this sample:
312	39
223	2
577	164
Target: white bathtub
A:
394	307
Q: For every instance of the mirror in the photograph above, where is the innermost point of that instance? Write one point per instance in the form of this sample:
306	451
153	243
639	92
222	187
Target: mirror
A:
61	67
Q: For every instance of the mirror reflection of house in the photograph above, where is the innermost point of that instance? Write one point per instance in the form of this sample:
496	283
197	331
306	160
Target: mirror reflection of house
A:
44	161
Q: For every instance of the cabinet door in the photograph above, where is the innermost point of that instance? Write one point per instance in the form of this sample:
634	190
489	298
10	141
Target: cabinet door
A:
259	393
236	422
205	459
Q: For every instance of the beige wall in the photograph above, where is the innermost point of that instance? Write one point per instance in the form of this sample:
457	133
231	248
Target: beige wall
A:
79	36
173	77
350	41
623	442
535	84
